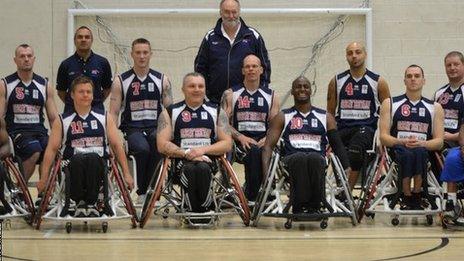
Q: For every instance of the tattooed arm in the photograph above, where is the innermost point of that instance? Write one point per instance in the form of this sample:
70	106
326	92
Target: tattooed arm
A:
164	137
167	92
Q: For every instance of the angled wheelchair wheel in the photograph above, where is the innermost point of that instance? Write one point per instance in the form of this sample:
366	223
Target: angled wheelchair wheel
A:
15	175
154	191
244	210
49	189
265	189
129	205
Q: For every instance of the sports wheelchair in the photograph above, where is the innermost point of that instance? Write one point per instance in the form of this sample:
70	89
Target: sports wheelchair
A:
384	189
337	198
17	201
116	205
228	197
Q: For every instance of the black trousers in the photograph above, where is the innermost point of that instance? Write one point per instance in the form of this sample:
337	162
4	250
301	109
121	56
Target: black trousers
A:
253	172
196	180
306	179
86	175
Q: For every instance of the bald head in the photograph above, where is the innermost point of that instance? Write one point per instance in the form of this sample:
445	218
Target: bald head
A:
356	55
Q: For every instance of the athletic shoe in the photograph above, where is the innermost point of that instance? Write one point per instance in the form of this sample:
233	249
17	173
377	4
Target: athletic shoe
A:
141	199
452	211
81	210
92	211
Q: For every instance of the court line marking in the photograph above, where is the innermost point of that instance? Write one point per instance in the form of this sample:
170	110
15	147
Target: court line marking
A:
444	243
18	258
229	238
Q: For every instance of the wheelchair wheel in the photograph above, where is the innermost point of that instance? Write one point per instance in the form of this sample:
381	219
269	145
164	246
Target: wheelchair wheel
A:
154	191
124	193
15	173
49	189
244	211
264	190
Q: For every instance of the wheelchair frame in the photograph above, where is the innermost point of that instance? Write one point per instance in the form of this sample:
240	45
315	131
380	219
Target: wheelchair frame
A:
228	196
53	201
336	184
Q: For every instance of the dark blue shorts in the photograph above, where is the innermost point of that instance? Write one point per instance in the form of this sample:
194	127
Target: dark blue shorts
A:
27	143
453	169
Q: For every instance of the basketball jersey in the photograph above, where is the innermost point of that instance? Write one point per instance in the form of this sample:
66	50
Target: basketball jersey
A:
84	134
453	106
141	100
411	119
251	110
25	103
304	132
357	100
194	127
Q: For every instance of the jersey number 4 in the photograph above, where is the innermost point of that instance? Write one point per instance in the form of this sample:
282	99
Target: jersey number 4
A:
349	89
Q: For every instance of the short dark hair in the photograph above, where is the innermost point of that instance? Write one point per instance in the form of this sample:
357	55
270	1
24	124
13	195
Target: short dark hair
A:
455	53
140	41
81	79
192	74
414	66
23	45
83	27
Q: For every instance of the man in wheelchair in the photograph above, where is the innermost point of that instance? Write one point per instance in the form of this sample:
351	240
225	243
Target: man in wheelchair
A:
411	126
193	131
306	132
250	106
82	136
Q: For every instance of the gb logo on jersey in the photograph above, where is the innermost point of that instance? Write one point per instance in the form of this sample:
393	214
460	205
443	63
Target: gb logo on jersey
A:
19	93
405	110
243	102
296	123
186	116
136	88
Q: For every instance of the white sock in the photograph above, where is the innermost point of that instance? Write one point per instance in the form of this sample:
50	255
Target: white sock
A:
452	197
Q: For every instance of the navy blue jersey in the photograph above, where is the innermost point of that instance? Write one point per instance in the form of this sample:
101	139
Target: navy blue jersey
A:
411	119
453	106
141	100
251	110
305	132
84	134
357	100
25	104
194	127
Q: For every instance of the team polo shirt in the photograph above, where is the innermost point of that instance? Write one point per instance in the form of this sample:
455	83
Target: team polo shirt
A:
96	67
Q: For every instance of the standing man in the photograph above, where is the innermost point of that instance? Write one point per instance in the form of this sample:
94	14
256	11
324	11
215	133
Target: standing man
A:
412	126
23	97
192	131
84	62
451	97
140	94
354	97
223	49
250	106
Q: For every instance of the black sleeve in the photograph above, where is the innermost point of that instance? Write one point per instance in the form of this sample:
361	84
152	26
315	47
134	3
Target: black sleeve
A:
62	78
338	148
266	63
201	61
106	77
